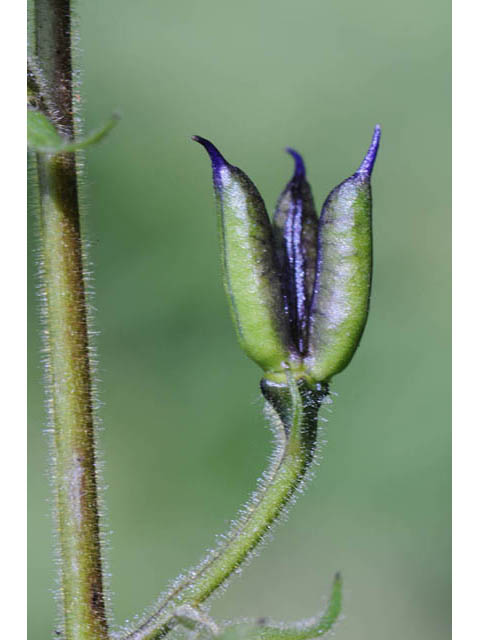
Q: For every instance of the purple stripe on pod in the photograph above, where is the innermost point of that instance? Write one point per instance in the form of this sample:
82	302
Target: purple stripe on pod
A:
295	227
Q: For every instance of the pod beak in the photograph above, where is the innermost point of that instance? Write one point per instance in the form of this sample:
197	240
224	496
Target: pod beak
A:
366	168
300	171
216	158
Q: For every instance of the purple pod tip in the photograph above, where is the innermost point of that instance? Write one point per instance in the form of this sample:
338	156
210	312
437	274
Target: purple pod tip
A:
300	171
218	161
366	168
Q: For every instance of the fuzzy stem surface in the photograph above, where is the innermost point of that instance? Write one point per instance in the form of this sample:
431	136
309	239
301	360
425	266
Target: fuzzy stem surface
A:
69	383
294	413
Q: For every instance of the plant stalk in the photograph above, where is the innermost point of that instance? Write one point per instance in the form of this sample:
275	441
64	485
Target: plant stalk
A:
293	411
69	381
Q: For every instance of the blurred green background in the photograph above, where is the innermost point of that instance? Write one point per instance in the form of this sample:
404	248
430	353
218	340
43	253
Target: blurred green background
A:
184	438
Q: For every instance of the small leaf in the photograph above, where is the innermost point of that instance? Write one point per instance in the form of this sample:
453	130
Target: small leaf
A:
41	132
303	630
44	138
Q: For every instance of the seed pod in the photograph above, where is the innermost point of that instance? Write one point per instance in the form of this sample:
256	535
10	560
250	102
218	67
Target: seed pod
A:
295	231
250	265
344	270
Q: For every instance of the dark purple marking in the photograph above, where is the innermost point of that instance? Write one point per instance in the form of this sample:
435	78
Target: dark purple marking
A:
288	274
366	168
299	274
218	161
295	275
300	172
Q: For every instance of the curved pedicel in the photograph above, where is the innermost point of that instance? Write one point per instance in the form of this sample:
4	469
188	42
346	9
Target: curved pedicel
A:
293	410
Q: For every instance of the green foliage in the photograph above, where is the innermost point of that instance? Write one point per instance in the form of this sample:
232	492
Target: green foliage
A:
41	133
303	630
43	137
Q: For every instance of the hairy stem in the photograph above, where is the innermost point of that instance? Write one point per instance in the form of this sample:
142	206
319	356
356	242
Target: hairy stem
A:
294	412
69	386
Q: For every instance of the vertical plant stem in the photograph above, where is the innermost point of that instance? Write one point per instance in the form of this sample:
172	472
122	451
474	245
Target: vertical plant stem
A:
69	384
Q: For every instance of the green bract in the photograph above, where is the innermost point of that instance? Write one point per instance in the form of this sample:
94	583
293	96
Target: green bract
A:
299	288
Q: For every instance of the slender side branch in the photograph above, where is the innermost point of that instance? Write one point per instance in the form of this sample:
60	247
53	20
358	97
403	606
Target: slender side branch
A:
293	410
69	375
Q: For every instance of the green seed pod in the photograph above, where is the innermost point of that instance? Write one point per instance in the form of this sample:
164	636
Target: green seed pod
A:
250	265
344	271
